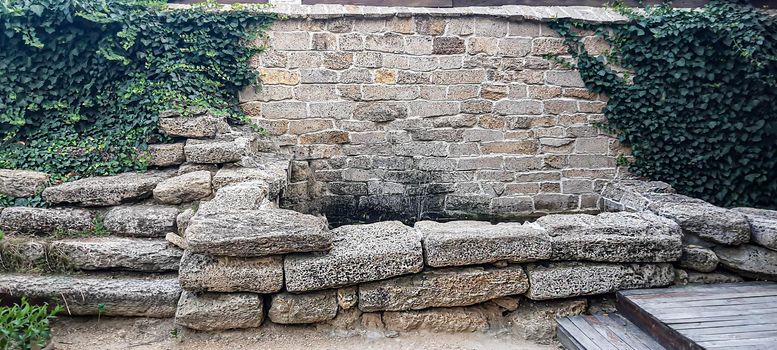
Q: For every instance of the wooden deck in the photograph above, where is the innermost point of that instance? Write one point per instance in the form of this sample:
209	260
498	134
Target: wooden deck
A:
718	316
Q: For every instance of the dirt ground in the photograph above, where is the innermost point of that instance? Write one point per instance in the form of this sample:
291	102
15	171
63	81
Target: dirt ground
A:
158	334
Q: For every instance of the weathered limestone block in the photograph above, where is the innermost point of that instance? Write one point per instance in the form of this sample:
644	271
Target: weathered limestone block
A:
167	154
347	297
219	311
42	221
23	255
763	224
699	259
360	253
22	183
314	307
231	274
257	233
195	127
536	320
442	288
121	295
459	243
564	280
114	253
630	195
749	260
176	240
712	277
141	220
276	177
192	167
184	188
182	220
698	217
220	151
613	237
105	190
455	319
237	197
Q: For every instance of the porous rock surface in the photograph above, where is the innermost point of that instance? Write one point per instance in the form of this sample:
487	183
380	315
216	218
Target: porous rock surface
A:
237	197
202	126
287	308
360	253
536	320
184	188
141	220
42	221
167	154
564	280
257	233
121	295
699	259
749	260
698	217
459	243
105	190
21	183
613	237
454	319
442	288
115	253
275	177
23	255
712	277
200	272
219	311
763	224
220	151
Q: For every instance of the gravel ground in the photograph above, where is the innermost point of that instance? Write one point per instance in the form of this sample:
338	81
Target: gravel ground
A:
72	333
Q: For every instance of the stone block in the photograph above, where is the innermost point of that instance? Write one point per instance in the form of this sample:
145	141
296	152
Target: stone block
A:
566	78
225	274
249	195
23	255
458	243
271	76
698	217
457	319
184	188
315	307
275	175
521	107
224	151
360	253
536	320
22	183
219	311
45	221
113	253
749	260
105	190
163	155
203	126
763	224
141	220
699	259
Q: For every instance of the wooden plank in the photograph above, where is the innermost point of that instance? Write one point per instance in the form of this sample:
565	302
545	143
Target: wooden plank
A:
718	310
630	333
732	336
697	297
765	343
599	335
720	302
582	339
681	319
663	334
718	324
699	288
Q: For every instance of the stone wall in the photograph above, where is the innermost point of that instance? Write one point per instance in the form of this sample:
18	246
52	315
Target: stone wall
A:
431	113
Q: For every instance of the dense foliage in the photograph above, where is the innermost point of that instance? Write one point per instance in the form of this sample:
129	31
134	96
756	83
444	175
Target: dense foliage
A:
82	82
24	326
696	101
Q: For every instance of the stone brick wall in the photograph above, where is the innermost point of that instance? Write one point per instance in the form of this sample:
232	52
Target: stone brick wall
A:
397	114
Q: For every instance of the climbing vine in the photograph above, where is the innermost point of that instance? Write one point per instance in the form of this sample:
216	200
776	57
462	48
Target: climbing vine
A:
82	82
693	93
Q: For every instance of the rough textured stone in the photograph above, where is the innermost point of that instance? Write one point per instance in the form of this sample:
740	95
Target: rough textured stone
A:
287	308
763	224
42	221
456	319
105	190
696	216
220	151
478	242
615	237
536	320
194	127
712	277
176	240
184	188
564	280
698	258
242	196
113	253
141	220
23	255
166	154
219	311
360	253
442	288
231	274
276	176
21	183
120	295
749	260
257	233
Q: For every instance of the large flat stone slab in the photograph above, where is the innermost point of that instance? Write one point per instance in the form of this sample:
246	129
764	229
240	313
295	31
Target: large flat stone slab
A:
220	151
275	177
360	253
564	280
763	224
749	260
121	295
202	126
257	233
167	154
241	196
141	220
287	308
458	243
698	217
184	188
22	183
115	253
455	319
442	288
613	237
45	221
219	311
200	272
105	190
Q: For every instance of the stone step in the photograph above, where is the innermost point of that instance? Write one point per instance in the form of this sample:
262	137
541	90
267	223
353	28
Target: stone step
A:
93	294
184	188
749	260
141	220
763	224
22	183
45	221
219	311
287	308
241	196
103	191
115	253
220	151
275	175
231	274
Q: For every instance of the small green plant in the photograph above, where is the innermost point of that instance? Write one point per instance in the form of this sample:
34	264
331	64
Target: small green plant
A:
98	230
24	326
100	311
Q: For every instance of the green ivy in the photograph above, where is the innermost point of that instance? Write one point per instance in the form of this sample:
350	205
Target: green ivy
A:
82	82
693	93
